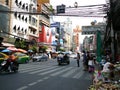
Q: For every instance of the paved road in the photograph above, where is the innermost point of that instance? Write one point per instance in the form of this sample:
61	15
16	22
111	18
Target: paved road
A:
47	76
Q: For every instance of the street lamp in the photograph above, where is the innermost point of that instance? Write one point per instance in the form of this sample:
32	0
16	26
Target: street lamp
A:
75	4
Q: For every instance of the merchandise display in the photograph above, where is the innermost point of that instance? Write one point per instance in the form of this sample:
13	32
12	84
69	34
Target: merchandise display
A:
109	80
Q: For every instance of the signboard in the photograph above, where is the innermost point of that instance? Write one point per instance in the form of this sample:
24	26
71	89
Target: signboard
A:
93	29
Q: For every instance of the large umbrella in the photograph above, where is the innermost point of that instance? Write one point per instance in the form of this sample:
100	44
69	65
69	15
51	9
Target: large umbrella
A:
12	48
6	50
21	50
30	50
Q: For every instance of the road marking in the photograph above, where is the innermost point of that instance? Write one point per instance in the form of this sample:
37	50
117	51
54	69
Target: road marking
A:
78	75
34	69
46	78
50	71
70	72
33	83
22	88
41	70
40	80
57	73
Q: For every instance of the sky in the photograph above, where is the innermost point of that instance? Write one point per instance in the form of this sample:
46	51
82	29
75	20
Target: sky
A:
81	21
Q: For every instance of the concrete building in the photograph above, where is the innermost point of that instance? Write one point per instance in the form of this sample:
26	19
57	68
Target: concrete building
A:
44	24
4	20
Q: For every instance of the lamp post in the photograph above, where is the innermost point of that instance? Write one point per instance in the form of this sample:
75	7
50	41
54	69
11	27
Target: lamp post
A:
75	4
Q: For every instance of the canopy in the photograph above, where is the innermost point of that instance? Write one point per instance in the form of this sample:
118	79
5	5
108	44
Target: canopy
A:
6	50
21	50
12	48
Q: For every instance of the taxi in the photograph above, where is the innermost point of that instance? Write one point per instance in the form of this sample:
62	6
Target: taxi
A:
3	57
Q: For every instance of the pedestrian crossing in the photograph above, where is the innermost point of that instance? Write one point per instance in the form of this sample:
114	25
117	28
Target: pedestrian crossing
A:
54	70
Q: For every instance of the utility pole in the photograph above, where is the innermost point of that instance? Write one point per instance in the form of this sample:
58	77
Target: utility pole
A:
112	33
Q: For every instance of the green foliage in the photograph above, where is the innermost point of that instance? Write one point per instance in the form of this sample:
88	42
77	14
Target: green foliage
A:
20	44
43	48
34	48
61	49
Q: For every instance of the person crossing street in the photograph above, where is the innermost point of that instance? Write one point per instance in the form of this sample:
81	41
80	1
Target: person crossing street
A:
78	59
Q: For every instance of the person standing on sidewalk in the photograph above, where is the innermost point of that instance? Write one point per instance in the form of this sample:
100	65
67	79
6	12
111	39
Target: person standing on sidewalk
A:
84	60
78	59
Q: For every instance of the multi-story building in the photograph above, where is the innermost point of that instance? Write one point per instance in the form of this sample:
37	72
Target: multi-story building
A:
44	25
19	19
4	21
68	33
76	33
33	33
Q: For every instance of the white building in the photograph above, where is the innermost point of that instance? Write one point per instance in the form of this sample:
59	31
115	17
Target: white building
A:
23	24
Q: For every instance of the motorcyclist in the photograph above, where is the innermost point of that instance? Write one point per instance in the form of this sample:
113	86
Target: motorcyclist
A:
12	59
65	57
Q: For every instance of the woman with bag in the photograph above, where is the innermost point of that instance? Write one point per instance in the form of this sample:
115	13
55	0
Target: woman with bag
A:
91	64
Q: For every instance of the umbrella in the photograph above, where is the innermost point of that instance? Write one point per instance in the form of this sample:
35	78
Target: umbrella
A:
30	50
12	48
6	50
21	50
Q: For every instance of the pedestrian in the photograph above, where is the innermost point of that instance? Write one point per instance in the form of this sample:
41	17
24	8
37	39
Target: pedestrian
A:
78	59
84	60
87	59
91	64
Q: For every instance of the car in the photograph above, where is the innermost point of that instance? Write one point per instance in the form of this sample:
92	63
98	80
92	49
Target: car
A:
63	59
40	57
73	55
3	57
22	57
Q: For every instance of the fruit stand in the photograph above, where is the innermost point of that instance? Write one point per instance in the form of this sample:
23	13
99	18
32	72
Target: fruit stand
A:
106	80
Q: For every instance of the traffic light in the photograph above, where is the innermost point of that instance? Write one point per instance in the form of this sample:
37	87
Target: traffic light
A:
61	8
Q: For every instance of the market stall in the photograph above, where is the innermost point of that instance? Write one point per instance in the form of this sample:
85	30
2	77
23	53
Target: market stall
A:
109	80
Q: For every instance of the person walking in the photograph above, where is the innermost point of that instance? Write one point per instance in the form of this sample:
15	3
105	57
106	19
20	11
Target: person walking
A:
91	64
78	59
84	60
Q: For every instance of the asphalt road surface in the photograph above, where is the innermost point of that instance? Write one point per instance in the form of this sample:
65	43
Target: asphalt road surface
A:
47	75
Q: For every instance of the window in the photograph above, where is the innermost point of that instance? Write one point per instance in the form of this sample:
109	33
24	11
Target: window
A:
27	7
14	28
15	14
26	19
23	6
19	16
7	2
16	1
18	28
23	17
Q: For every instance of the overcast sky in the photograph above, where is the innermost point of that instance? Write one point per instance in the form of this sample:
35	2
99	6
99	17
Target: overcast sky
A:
81	21
80	2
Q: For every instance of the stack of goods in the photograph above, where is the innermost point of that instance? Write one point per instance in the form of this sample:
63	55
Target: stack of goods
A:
105	86
107	80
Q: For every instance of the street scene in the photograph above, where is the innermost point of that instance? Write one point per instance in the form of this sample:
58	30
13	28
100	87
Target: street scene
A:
59	45
47	75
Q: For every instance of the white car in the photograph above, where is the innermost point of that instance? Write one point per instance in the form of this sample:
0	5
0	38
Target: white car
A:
73	55
42	57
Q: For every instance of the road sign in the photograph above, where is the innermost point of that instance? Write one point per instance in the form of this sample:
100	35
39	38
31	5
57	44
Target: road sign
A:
93	29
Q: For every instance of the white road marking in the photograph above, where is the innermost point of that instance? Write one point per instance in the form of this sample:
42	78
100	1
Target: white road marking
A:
50	71
59	72
38	71
70	72
22	88
78	75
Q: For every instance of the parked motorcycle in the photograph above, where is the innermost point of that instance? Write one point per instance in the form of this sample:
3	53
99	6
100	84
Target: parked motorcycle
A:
9	66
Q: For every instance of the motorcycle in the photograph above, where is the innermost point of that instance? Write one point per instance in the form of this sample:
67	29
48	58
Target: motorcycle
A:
9	66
